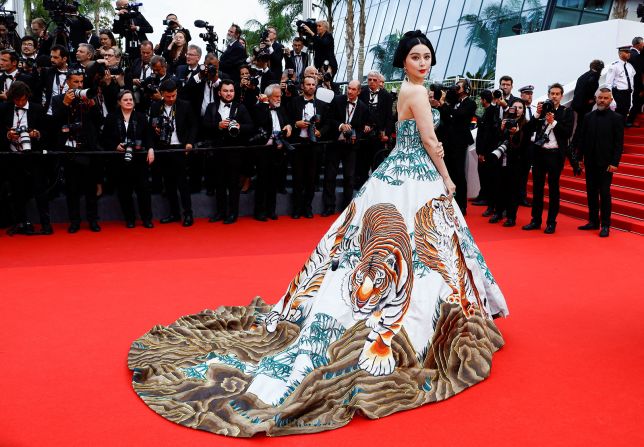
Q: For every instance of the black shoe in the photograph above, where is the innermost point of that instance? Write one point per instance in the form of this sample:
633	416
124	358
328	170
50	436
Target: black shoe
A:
495	218
130	224
479	202
94	226
509	223
169	219
531	226
46	229
308	214
628	125
273	216
216	218
188	220
488	212
148	224
73	228
327	212
524	202
261	217
589	226
295	215
230	219
604	232
550	228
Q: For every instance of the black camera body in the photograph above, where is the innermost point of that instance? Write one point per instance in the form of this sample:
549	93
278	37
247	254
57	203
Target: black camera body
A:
8	19
165	126
497	94
151	84
547	106
24	140
130	146
308	22
280	141
313	123
349	136
233	128
210	36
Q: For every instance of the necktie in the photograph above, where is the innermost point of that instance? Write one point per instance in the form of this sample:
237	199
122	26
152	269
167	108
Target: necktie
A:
308	101
227	105
628	79
530	112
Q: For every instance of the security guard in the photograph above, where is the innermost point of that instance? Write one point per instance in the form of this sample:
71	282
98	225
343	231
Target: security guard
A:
621	79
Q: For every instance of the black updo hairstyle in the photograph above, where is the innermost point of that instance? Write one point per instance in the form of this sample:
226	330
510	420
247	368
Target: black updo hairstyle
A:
408	41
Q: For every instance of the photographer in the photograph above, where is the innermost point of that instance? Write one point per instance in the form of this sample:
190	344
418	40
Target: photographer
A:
128	132
297	59
272	121
373	151
227	123
553	126
175	53
276	52
503	95
44	38
77	122
349	120
140	69
310	122
131	25
10	73
151	84
190	69
506	158
234	55
175	127
249	86
9	38
107	41
487	139
25	124
53	80
173	27
527	93
462	109
321	42
113	81
84	55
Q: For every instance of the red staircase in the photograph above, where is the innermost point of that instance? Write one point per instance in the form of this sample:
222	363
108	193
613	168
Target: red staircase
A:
627	187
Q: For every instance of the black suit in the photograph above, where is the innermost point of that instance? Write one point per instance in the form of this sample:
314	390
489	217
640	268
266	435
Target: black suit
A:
269	161
233	57
584	96
487	139
305	156
549	162
601	141
343	149
132	38
50	81
637	61
381	120
27	171
459	138
291	63
225	165
324	48
173	164
276	60
132	176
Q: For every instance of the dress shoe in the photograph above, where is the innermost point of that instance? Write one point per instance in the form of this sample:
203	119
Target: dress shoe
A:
295	216
589	226
524	202
273	216
216	218
629	125
188	220
488	212
495	218
261	217
550	228
73	228
327	212
509	223
46	229
148	224
531	226
479	202
130	224
169	219
94	226
604	232
308	214
230	219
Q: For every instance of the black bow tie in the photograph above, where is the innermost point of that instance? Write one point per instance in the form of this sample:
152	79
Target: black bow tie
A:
352	103
309	101
273	108
21	108
227	105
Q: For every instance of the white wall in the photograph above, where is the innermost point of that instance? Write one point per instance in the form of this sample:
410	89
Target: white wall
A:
561	55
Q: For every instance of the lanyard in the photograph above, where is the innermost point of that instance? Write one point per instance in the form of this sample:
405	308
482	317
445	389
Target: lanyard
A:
20	117
172	113
351	112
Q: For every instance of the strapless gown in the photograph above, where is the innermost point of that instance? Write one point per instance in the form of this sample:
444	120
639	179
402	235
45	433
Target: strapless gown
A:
392	310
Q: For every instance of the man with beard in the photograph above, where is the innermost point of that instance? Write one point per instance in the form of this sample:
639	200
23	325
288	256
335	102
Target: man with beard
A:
601	142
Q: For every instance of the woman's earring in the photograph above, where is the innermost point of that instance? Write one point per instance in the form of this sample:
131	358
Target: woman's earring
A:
406	77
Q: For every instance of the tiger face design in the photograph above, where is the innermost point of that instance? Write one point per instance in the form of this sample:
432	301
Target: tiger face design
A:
380	284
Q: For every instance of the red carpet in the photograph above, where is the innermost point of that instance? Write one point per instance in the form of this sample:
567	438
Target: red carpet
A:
570	373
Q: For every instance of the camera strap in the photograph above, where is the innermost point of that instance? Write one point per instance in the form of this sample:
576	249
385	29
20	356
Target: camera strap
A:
171	116
351	110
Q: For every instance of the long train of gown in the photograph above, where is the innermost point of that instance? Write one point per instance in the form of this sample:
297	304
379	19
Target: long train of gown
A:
392	310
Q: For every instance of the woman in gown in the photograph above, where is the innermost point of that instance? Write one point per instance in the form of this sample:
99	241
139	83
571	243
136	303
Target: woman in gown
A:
392	310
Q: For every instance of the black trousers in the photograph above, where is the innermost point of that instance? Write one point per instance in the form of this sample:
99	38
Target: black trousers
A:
507	190
133	177
305	158
637	104
28	176
485	180
336	153
269	162
547	163
227	167
175	177
372	152
623	101
598	181
81	179
455	162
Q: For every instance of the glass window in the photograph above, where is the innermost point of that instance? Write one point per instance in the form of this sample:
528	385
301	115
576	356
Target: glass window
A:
576	4
459	52
598	7
434	74
426	8
509	25
563	18
591	18
438	15
476	62
392	11
532	20
399	22
412	15
472	7
453	14
445	43
376	12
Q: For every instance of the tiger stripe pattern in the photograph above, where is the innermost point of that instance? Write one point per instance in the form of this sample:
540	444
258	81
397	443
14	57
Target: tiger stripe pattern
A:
380	284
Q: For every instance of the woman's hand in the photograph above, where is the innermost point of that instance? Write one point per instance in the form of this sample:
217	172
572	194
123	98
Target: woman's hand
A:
450	187
440	151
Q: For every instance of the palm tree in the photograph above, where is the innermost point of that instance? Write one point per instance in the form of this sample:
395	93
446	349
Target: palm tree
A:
328	7
281	14
102	12
383	55
349	43
362	29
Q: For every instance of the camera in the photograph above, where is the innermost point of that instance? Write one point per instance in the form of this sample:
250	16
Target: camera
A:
310	23
115	71
26	64
72	128
208	70
547	106
437	89
233	128
130	146
151	84
61	6
313	122
8	19
24	140
280	141
511	120
170	22
84	93
261	135
497	94
349	136
132	7
210	36
166	128
500	151
291	82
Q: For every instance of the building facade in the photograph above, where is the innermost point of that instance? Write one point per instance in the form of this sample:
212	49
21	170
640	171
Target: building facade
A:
463	32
